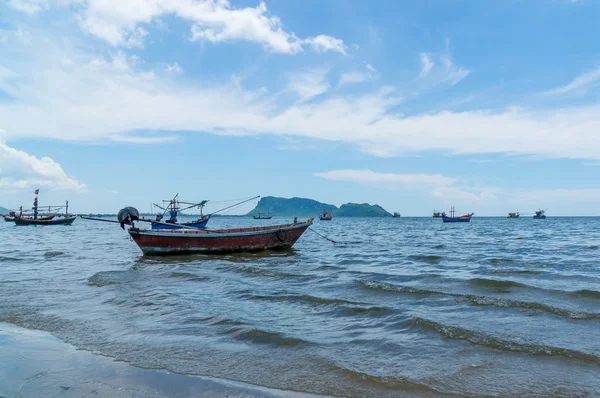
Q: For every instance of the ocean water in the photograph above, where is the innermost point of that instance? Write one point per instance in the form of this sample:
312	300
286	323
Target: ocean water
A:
398	307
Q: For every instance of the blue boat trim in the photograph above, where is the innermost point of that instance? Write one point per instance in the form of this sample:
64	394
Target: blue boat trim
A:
456	219
193	224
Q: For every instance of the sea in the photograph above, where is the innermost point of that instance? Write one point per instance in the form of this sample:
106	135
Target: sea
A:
395	307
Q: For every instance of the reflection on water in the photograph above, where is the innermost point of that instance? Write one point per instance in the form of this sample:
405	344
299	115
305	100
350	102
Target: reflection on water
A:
398	307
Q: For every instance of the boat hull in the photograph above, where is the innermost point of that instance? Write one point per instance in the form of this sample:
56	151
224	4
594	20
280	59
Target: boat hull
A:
325	218
56	221
262	218
193	224
456	219
539	217
275	237
12	219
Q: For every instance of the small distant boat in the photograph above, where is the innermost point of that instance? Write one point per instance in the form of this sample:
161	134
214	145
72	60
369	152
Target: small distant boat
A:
11	216
262	216
464	218
66	220
326	216
514	215
48	219
396	215
539	215
437	214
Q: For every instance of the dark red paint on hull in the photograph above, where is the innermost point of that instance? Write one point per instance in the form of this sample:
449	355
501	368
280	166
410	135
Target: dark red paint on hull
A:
274	237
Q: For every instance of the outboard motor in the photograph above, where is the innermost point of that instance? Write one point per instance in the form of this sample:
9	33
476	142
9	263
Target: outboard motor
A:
127	215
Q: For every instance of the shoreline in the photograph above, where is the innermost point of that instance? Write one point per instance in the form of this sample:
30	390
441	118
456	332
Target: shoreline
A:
35	363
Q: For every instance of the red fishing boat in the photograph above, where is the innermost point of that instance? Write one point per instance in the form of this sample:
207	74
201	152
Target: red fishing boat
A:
194	240
326	216
437	214
220	240
465	218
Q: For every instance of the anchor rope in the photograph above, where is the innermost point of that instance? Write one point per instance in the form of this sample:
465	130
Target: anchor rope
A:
322	236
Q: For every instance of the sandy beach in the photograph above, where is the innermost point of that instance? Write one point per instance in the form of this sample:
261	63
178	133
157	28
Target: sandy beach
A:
36	364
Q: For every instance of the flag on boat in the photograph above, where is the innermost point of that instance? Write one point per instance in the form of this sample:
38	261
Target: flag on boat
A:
37	191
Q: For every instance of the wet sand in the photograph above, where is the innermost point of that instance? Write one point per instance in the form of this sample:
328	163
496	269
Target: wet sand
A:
36	364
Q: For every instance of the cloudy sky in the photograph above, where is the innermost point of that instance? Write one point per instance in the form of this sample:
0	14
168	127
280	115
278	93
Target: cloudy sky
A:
490	106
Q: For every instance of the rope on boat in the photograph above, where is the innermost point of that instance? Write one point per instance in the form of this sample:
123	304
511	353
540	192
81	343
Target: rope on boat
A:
322	236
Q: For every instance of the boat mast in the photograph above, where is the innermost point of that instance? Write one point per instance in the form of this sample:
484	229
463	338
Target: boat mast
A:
35	205
67	209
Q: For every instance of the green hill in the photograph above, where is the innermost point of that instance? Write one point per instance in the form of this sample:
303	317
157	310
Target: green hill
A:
290	207
302	207
362	210
3	210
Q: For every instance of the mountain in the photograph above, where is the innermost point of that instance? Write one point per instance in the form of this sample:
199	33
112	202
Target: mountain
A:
290	207
362	210
302	207
3	210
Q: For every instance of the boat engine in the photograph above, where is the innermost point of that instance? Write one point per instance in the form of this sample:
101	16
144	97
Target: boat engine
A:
127	215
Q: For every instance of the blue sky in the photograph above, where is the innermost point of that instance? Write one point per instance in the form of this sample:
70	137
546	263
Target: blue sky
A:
487	106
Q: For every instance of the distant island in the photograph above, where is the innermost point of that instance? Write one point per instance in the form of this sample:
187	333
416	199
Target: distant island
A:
302	207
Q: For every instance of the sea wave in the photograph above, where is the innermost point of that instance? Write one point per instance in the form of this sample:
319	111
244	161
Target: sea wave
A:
431	259
300	298
496	261
259	336
188	276
585	293
53	253
479	300
390	287
105	278
487	340
499	285
515	272
268	273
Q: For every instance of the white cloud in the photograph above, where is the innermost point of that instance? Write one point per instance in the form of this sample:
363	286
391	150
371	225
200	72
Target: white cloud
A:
426	64
433	185
175	68
580	83
559	195
448	73
309	83
143	140
454	74
118	22
29	6
66	61
136	38
368	176
19	170
352	77
126	97
356	77
323	43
